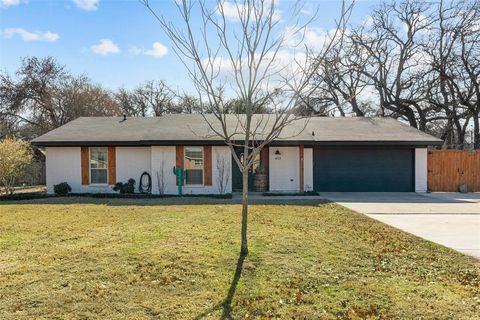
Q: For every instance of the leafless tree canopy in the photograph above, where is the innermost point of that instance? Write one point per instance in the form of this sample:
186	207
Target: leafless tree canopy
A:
44	95
411	60
243	57
155	98
243	60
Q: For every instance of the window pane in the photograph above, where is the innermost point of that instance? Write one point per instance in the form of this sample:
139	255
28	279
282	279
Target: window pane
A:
194	165
194	177
98	158
99	176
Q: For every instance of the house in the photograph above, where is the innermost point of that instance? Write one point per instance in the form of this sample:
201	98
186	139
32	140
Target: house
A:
318	153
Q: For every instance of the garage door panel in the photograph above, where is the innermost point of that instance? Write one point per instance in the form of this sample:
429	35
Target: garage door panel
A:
356	170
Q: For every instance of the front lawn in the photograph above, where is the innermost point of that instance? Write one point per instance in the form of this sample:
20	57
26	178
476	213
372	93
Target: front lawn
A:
154	259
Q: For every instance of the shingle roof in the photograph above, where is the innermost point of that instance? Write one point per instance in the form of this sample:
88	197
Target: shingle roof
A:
192	128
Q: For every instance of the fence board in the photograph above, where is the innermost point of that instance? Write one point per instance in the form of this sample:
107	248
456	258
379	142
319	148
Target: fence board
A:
448	169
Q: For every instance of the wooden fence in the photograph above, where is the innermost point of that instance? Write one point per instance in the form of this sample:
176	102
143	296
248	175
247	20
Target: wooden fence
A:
448	169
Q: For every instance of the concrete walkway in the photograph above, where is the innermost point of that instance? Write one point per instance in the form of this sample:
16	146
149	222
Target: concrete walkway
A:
450	219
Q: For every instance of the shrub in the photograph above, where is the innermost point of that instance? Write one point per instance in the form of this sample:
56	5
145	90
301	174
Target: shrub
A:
128	187
62	188
15	156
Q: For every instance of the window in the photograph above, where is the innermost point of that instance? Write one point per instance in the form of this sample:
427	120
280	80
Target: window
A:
98	166
194	165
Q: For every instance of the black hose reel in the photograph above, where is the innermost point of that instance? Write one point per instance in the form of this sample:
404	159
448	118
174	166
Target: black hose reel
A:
145	183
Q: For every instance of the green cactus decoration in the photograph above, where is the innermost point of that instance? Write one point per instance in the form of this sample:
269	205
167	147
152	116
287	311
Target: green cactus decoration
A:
181	176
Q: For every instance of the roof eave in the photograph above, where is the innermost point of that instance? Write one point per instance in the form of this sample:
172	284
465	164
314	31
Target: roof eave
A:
407	143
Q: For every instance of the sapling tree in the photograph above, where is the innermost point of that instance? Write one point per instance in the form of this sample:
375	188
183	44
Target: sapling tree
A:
249	52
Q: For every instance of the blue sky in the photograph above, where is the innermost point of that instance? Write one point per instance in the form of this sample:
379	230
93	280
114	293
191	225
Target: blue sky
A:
117	43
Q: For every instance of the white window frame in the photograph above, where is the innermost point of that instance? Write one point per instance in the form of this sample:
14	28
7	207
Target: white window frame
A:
90	167
203	165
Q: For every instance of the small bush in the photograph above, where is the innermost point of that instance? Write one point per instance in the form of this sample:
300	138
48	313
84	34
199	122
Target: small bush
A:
128	187
62	188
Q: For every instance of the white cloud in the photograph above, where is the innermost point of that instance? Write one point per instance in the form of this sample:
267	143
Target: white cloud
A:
233	11
276	67
88	5
9	3
158	50
230	10
105	47
311	37
30	36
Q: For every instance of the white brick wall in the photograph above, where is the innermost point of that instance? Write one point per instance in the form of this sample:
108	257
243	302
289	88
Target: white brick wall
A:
64	165
131	162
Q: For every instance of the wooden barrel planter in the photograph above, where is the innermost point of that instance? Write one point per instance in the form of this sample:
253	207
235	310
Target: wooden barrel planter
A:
260	182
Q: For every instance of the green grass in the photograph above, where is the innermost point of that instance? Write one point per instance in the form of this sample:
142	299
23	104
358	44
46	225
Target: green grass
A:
112	259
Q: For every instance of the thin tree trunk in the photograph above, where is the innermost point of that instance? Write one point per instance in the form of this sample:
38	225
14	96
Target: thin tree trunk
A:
244	248
460	138
476	132
246	151
356	108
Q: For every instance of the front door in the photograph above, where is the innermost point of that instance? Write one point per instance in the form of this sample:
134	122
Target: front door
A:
237	174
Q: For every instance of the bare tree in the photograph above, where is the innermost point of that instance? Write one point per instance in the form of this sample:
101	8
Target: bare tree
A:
453	88
187	103
340	83
250	48
161	178
223	173
43	96
418	62
468	90
155	96
392	43
126	101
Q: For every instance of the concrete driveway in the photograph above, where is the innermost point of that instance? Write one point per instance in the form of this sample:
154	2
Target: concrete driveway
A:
450	219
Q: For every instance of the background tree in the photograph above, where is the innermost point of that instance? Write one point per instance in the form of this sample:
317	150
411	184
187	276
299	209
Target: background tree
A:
187	103
256	78
15	156
340	83
126	101
453	87
391	43
409	60
155	98
43	95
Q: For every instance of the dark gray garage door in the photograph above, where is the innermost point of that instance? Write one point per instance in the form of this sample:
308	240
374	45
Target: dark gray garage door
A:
356	170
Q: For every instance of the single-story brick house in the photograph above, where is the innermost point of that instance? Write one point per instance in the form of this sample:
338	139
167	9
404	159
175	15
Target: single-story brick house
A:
320	154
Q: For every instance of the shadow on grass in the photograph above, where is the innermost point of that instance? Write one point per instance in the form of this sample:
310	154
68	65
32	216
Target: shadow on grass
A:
226	304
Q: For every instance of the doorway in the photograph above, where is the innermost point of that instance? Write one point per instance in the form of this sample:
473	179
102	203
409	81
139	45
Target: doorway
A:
237	174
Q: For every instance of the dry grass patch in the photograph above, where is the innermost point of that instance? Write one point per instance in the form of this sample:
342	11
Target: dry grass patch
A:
112	259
